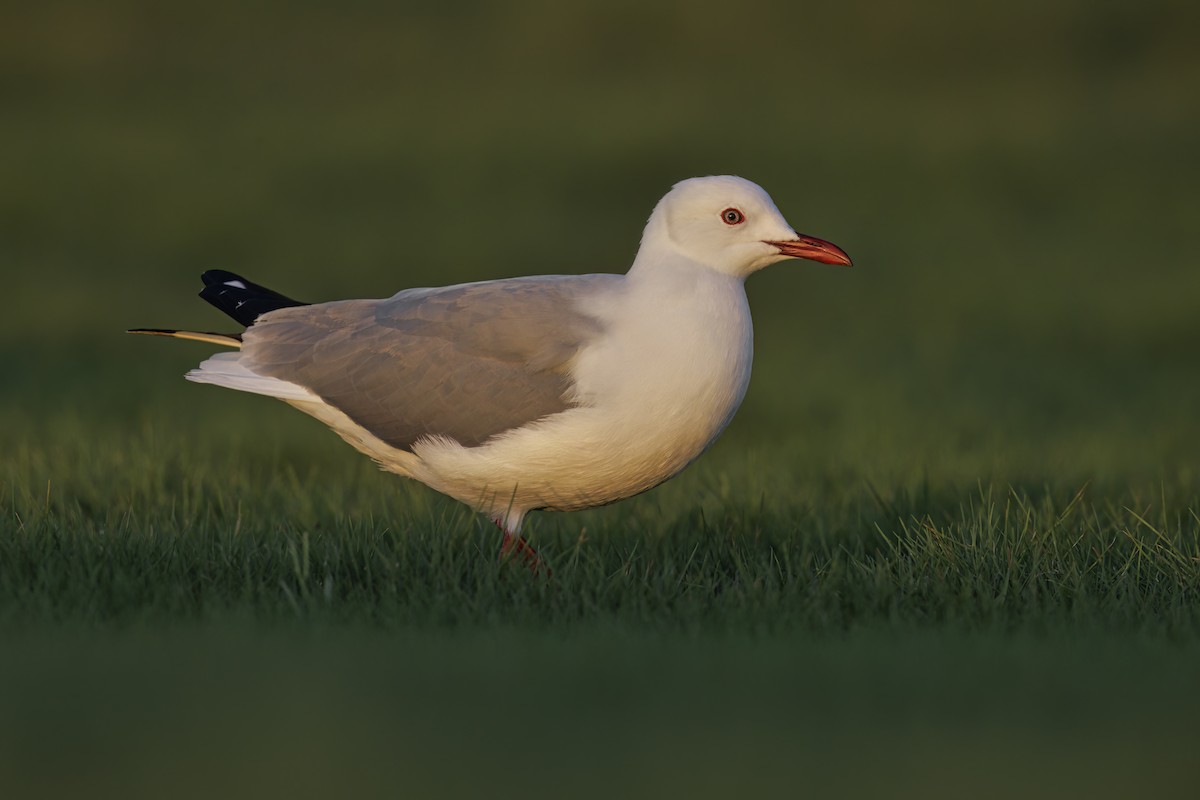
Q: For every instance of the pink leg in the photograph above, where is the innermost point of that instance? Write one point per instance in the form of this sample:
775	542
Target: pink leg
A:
515	546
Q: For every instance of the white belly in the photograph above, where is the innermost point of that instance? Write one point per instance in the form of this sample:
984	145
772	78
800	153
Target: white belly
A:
654	392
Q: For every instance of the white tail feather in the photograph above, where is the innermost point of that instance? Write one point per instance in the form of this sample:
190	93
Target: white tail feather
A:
223	339
226	369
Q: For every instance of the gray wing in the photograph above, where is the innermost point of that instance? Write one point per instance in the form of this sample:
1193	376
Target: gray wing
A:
467	361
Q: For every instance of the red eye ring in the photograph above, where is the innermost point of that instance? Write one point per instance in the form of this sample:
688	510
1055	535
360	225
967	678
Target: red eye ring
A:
732	216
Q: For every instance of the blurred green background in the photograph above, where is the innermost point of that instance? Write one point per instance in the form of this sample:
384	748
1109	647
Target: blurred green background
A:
1017	183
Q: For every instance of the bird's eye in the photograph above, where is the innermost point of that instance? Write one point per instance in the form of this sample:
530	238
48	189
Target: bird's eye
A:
731	216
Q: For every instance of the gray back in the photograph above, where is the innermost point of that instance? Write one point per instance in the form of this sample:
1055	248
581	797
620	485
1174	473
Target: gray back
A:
467	362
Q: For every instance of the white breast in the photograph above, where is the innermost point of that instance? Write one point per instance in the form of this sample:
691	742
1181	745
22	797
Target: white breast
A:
654	391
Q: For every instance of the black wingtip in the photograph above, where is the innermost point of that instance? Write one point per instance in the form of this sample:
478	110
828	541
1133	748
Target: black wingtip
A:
241	299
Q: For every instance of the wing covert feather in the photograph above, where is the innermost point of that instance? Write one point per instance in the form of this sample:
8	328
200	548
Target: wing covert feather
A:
467	362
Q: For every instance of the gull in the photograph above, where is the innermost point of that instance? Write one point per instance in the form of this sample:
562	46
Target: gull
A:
552	392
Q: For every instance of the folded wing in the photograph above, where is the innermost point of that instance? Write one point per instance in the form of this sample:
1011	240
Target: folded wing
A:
466	362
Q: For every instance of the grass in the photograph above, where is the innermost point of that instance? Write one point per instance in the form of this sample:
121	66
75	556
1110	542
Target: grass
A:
1025	561
315	628
949	546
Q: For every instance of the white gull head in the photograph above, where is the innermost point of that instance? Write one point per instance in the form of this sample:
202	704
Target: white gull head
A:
730	225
